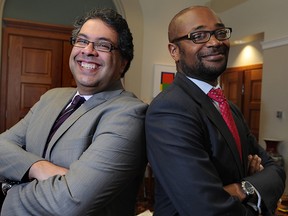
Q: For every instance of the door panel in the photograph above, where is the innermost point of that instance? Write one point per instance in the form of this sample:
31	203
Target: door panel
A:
33	68
252	99
232	86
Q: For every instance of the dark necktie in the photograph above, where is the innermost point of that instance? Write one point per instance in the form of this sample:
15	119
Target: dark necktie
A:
76	103
218	96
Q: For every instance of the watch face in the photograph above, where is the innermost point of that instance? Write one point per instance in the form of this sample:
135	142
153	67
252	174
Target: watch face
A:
249	188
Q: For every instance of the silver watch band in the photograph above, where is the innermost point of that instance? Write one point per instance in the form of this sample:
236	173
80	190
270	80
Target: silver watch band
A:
5	187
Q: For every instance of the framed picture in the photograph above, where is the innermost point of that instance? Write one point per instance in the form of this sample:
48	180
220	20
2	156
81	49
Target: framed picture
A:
163	77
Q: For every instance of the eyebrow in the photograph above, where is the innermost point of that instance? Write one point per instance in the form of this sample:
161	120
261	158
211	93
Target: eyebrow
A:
217	25
99	39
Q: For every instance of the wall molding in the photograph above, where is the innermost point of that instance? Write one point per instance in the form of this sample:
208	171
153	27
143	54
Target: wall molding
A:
275	43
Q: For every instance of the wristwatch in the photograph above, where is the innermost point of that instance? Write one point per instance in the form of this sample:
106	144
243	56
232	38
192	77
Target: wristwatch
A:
5	187
248	188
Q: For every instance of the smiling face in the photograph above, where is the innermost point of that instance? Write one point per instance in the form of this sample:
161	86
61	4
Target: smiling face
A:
93	70
204	61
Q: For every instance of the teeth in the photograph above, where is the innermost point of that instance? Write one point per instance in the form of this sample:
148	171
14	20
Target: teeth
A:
88	65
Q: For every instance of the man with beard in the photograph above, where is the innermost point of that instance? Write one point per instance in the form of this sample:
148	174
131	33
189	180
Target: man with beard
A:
200	166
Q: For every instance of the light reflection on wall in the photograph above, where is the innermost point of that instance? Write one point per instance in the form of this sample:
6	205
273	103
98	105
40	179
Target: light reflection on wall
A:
243	55
248	52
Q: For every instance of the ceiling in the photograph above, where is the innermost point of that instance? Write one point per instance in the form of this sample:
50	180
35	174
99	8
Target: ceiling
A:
248	39
222	5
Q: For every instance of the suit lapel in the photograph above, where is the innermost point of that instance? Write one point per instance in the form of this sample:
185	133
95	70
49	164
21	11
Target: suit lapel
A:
60	101
242	134
93	102
213	114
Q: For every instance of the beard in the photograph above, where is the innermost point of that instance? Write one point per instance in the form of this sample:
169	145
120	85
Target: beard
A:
201	71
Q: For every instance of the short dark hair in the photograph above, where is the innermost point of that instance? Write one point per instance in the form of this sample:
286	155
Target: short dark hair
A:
115	21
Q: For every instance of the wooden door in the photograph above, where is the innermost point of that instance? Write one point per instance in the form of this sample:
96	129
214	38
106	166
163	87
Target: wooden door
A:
33	68
242	85
34	59
252	99
232	84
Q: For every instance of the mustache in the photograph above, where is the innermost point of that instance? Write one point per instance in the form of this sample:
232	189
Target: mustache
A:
215	51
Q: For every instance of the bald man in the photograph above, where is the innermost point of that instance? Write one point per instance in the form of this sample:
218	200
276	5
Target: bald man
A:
200	166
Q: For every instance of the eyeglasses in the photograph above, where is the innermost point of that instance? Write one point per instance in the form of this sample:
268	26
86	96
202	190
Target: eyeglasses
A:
200	37
103	46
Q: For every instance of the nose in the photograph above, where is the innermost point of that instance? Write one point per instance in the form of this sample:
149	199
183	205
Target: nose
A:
214	41
89	49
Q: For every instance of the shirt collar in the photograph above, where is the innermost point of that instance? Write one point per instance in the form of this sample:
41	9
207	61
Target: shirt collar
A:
85	96
204	86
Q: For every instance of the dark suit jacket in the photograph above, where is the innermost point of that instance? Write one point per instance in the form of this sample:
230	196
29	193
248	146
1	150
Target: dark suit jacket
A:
193	155
101	143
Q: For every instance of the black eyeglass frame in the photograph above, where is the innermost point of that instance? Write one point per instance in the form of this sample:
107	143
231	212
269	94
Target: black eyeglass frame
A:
87	42
190	36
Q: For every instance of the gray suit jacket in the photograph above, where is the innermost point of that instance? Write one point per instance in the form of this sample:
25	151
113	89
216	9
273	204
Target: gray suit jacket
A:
102	144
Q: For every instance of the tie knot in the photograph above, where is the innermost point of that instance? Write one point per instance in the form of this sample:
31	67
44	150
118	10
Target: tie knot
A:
217	95
78	100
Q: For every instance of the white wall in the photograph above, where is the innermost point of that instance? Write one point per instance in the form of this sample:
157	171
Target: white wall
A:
156	16
255	16
134	17
274	98
247	54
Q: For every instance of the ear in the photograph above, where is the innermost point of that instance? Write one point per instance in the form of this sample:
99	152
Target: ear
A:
174	51
123	65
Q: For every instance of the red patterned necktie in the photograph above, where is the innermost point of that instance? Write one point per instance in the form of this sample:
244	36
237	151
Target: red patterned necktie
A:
218	96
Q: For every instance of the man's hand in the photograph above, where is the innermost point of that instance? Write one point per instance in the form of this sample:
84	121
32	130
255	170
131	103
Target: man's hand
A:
254	164
236	191
42	170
